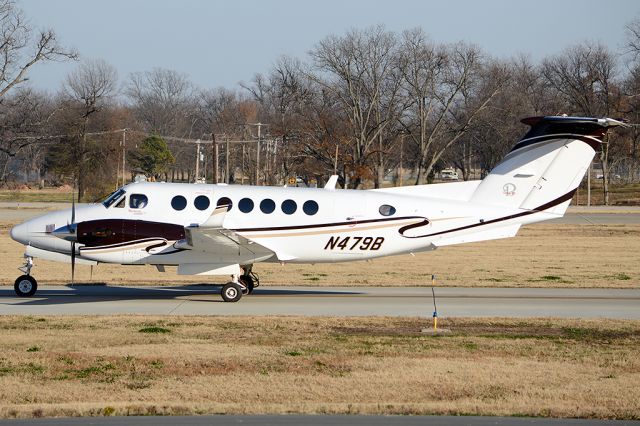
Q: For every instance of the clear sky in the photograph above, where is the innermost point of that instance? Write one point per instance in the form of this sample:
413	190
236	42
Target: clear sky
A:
220	43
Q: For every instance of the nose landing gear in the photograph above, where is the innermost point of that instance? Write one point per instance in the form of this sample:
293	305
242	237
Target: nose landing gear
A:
25	285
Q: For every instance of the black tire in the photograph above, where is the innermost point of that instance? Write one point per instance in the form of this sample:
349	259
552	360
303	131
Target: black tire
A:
25	286
247	280
231	292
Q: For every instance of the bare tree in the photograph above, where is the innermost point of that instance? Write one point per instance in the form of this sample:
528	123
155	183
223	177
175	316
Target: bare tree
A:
356	69
633	38
20	49
25	117
87	90
446	91
164	101
584	76
283	94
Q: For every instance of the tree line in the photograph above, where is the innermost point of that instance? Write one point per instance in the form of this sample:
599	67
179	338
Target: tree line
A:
371	104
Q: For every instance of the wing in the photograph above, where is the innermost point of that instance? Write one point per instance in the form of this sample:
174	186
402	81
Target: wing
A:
212	237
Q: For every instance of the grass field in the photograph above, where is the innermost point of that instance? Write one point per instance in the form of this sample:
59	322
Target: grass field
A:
36	195
540	256
121	365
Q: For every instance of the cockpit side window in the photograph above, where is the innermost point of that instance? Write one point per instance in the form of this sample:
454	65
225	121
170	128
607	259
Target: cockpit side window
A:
113	197
138	201
120	204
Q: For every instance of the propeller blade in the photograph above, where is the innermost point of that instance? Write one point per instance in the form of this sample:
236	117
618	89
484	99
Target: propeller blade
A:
73	262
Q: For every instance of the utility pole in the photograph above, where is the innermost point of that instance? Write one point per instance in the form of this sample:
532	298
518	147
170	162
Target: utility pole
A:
226	160
400	172
197	161
124	156
258	156
258	150
215	156
242	183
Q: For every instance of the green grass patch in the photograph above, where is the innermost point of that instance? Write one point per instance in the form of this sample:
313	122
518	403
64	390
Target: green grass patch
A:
33	349
551	278
154	329
621	277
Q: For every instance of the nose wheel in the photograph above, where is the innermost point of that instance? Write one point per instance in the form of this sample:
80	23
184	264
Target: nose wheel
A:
25	286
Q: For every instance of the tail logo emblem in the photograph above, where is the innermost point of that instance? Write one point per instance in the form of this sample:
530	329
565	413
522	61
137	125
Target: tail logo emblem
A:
509	189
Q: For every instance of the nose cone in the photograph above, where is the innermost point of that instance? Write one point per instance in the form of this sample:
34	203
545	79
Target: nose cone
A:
20	233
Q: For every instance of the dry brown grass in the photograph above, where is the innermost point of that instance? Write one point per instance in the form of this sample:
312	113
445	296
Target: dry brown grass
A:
540	256
54	366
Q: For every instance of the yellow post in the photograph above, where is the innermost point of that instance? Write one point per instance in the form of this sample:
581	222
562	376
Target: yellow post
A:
435	309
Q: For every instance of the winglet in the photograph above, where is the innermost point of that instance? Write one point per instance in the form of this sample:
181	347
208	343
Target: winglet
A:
331	183
217	217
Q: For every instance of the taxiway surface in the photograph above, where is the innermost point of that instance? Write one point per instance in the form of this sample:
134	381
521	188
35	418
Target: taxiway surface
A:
330	301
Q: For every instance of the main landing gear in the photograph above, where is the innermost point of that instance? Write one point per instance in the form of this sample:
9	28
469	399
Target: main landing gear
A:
26	285
244	284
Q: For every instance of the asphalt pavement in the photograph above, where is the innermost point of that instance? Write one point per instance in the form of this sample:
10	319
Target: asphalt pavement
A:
329	301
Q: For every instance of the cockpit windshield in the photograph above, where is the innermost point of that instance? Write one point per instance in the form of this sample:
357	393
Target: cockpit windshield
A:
115	196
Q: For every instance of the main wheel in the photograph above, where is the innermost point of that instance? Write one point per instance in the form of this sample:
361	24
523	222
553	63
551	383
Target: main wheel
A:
247	280
25	286
231	292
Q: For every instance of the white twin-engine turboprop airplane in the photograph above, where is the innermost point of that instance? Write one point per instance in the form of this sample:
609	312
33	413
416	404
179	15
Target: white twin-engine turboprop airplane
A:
224	230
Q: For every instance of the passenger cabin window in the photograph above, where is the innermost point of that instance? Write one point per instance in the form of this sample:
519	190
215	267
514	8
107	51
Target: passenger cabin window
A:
224	201
245	205
178	202
267	206
387	210
310	207
138	201
289	207
202	202
113	197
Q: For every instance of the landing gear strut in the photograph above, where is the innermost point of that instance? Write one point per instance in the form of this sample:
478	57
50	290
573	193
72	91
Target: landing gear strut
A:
244	284
25	285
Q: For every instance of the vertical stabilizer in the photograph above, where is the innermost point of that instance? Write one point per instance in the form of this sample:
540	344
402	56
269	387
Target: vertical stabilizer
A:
543	170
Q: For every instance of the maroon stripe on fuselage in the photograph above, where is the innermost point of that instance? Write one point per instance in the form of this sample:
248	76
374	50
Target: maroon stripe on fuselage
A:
539	209
103	232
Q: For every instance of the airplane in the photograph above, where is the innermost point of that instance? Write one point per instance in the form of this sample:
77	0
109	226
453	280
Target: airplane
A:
225	229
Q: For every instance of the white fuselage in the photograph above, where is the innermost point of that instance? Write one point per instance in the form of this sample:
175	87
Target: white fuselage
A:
348	224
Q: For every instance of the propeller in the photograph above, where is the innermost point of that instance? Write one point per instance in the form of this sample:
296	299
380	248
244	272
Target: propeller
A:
70	233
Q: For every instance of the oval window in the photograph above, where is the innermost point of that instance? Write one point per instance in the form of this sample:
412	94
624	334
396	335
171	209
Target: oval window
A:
245	205
179	202
267	206
138	201
289	206
224	201
387	210
310	207
202	202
